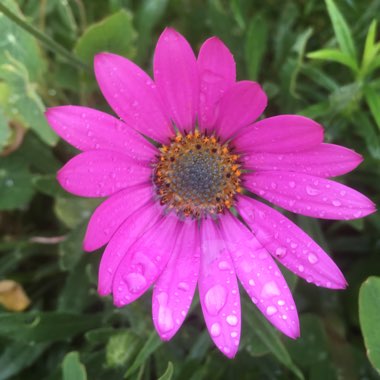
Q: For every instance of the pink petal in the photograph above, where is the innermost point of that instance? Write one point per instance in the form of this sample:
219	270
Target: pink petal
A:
240	106
109	216
98	173
290	245
217	72
325	160
308	195
89	129
177	79
261	277
280	134
129	232
133	95
144	261
218	291
174	289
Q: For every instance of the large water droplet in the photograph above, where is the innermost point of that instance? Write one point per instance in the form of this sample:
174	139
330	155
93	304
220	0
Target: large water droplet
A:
215	329
312	191
135	282
270	289
215	299
232	320
271	310
280	252
165	319
313	258
183	286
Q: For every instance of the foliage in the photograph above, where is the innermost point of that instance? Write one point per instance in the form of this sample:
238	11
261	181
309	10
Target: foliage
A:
320	59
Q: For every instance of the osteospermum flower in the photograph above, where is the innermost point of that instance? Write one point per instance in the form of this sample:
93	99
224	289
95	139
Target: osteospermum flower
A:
183	211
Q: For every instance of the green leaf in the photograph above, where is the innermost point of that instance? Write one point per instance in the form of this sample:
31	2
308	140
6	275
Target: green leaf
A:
341	30
255	45
269	337
72	368
334	56
17	356
15	183
114	34
24	104
168	374
5	131
373	100
369	315
36	327
19	44
370	48
70	250
121	348
151	345
366	129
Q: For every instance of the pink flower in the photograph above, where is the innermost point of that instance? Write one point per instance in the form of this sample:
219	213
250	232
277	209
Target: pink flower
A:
170	219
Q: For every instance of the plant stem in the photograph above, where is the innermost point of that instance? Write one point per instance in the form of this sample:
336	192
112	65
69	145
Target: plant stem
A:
47	41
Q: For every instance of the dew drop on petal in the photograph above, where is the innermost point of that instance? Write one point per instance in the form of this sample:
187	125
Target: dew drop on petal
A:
281	302
312	191
336	203
135	282
232	320
215	329
223	265
215	299
280	252
271	310
270	289
312	258
292	184
301	268
183	286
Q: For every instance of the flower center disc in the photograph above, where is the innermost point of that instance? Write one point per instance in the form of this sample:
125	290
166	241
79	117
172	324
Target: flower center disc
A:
196	175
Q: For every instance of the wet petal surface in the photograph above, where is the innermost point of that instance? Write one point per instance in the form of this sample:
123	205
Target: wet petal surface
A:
89	129
101	173
325	160
309	195
144	261
217	71
133	95
280	134
290	245
261	277
218	291
110	215
176	75
174	289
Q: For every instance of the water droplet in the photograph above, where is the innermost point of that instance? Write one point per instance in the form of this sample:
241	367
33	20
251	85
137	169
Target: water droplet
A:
312	191
313	258
273	185
301	268
224	265
232	320
342	193
135	282
234	334
336	203
292	184
215	299
183	286
215	329
251	282
293	245
165	319
271	310
357	214
270	289
281	302
280	252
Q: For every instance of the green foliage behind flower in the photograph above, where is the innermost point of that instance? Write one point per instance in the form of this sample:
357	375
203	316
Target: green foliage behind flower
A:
319	59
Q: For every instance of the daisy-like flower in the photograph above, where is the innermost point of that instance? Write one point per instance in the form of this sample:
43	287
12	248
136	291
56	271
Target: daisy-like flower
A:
181	168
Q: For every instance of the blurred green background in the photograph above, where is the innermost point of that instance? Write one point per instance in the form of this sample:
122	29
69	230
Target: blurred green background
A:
315	58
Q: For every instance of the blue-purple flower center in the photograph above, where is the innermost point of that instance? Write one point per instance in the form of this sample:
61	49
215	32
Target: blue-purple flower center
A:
196	175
